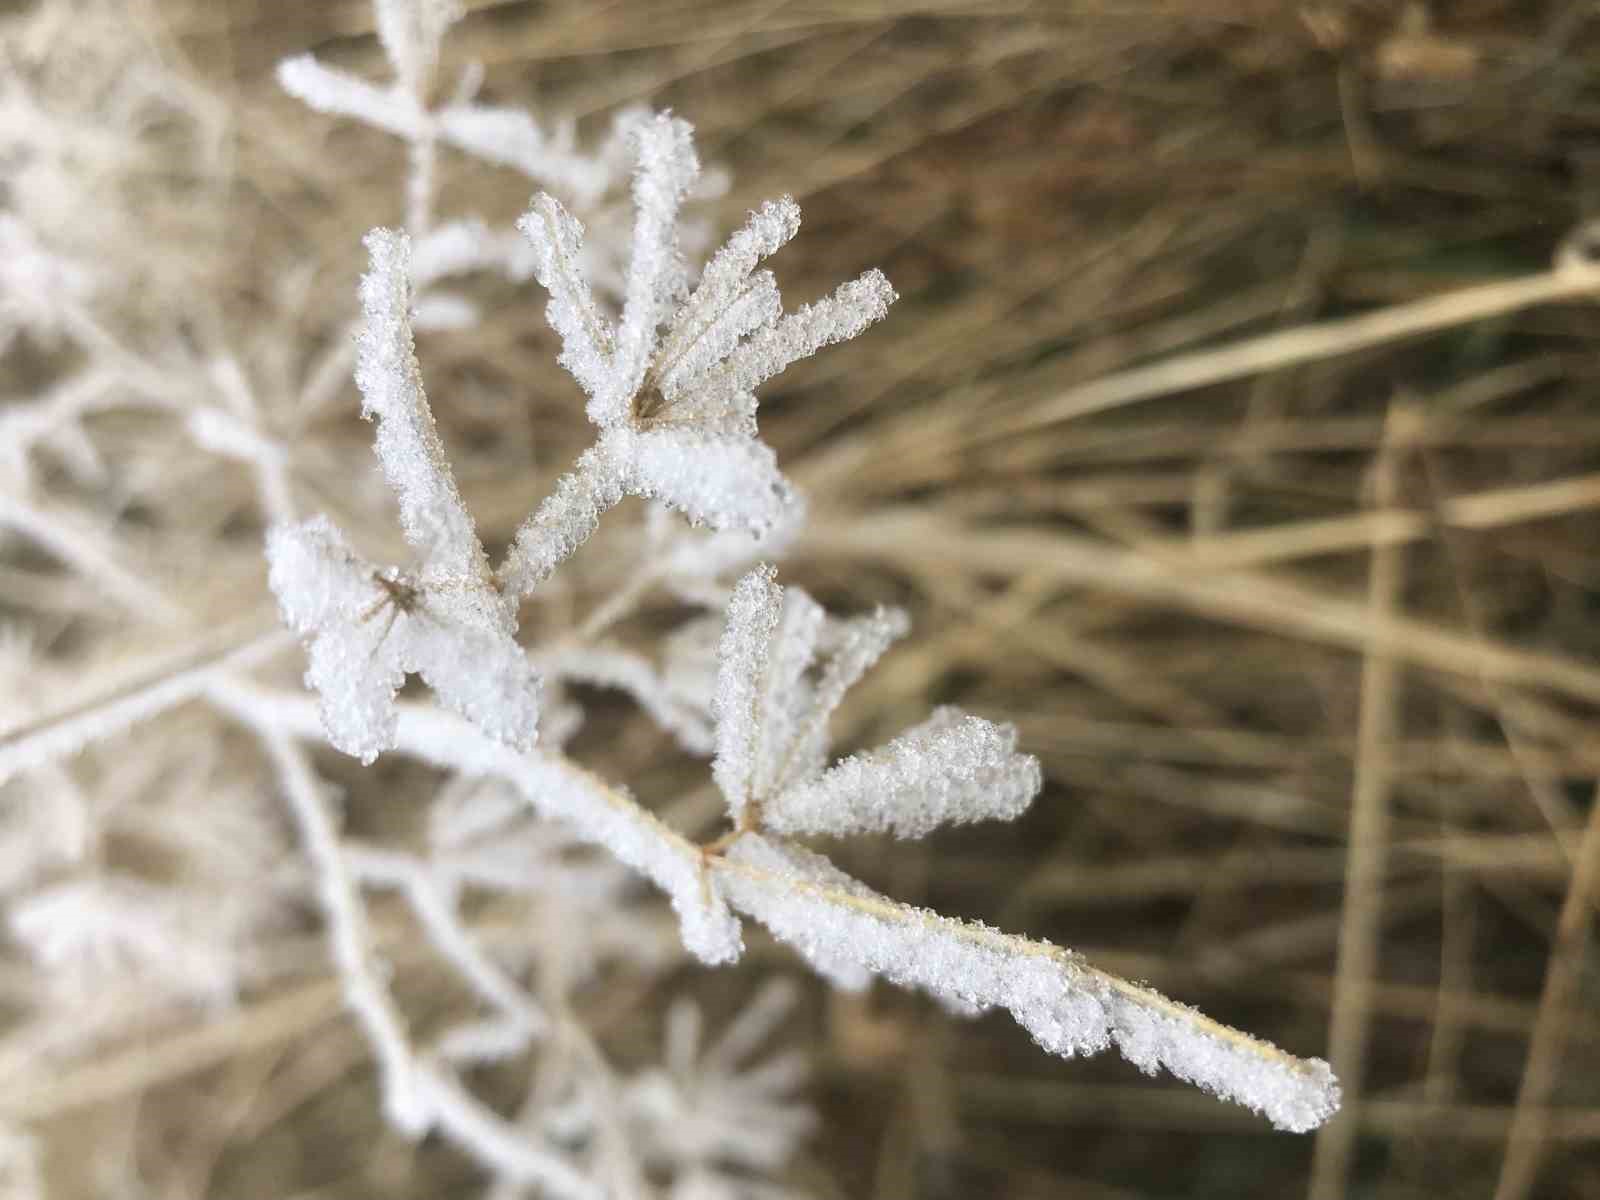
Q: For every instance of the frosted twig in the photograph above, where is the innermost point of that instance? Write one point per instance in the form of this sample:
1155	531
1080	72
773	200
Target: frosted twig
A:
605	665
339	93
555	787
507	137
1069	1005
521	1018
364	995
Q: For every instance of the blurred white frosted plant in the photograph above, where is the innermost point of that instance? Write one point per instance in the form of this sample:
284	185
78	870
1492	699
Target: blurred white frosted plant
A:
709	1111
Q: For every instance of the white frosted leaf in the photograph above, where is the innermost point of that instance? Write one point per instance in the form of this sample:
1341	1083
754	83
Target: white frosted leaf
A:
338	93
435	520
786	696
952	768
860	643
702	344
318	579
754	611
667	169
368	628
722	482
588	344
844	315
475	667
728	303
768	228
356	671
1069	1007
566	518
676	408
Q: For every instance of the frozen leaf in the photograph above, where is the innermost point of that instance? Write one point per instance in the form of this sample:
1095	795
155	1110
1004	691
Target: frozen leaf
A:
951	769
772	722
587	340
753	614
436	522
368	627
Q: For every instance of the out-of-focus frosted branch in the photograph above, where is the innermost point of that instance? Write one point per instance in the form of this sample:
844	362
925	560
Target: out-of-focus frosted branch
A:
950	769
74	540
417	1095
519	1017
145	691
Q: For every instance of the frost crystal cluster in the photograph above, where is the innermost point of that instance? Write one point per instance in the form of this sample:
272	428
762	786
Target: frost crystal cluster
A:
669	346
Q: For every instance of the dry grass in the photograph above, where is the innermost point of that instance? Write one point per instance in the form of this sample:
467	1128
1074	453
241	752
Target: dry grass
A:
1233	436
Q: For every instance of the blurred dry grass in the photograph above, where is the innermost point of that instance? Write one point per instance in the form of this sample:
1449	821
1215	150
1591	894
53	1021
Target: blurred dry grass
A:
1312	655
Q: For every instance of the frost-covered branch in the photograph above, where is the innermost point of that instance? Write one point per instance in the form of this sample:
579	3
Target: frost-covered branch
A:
1070	1007
671	388
845	929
